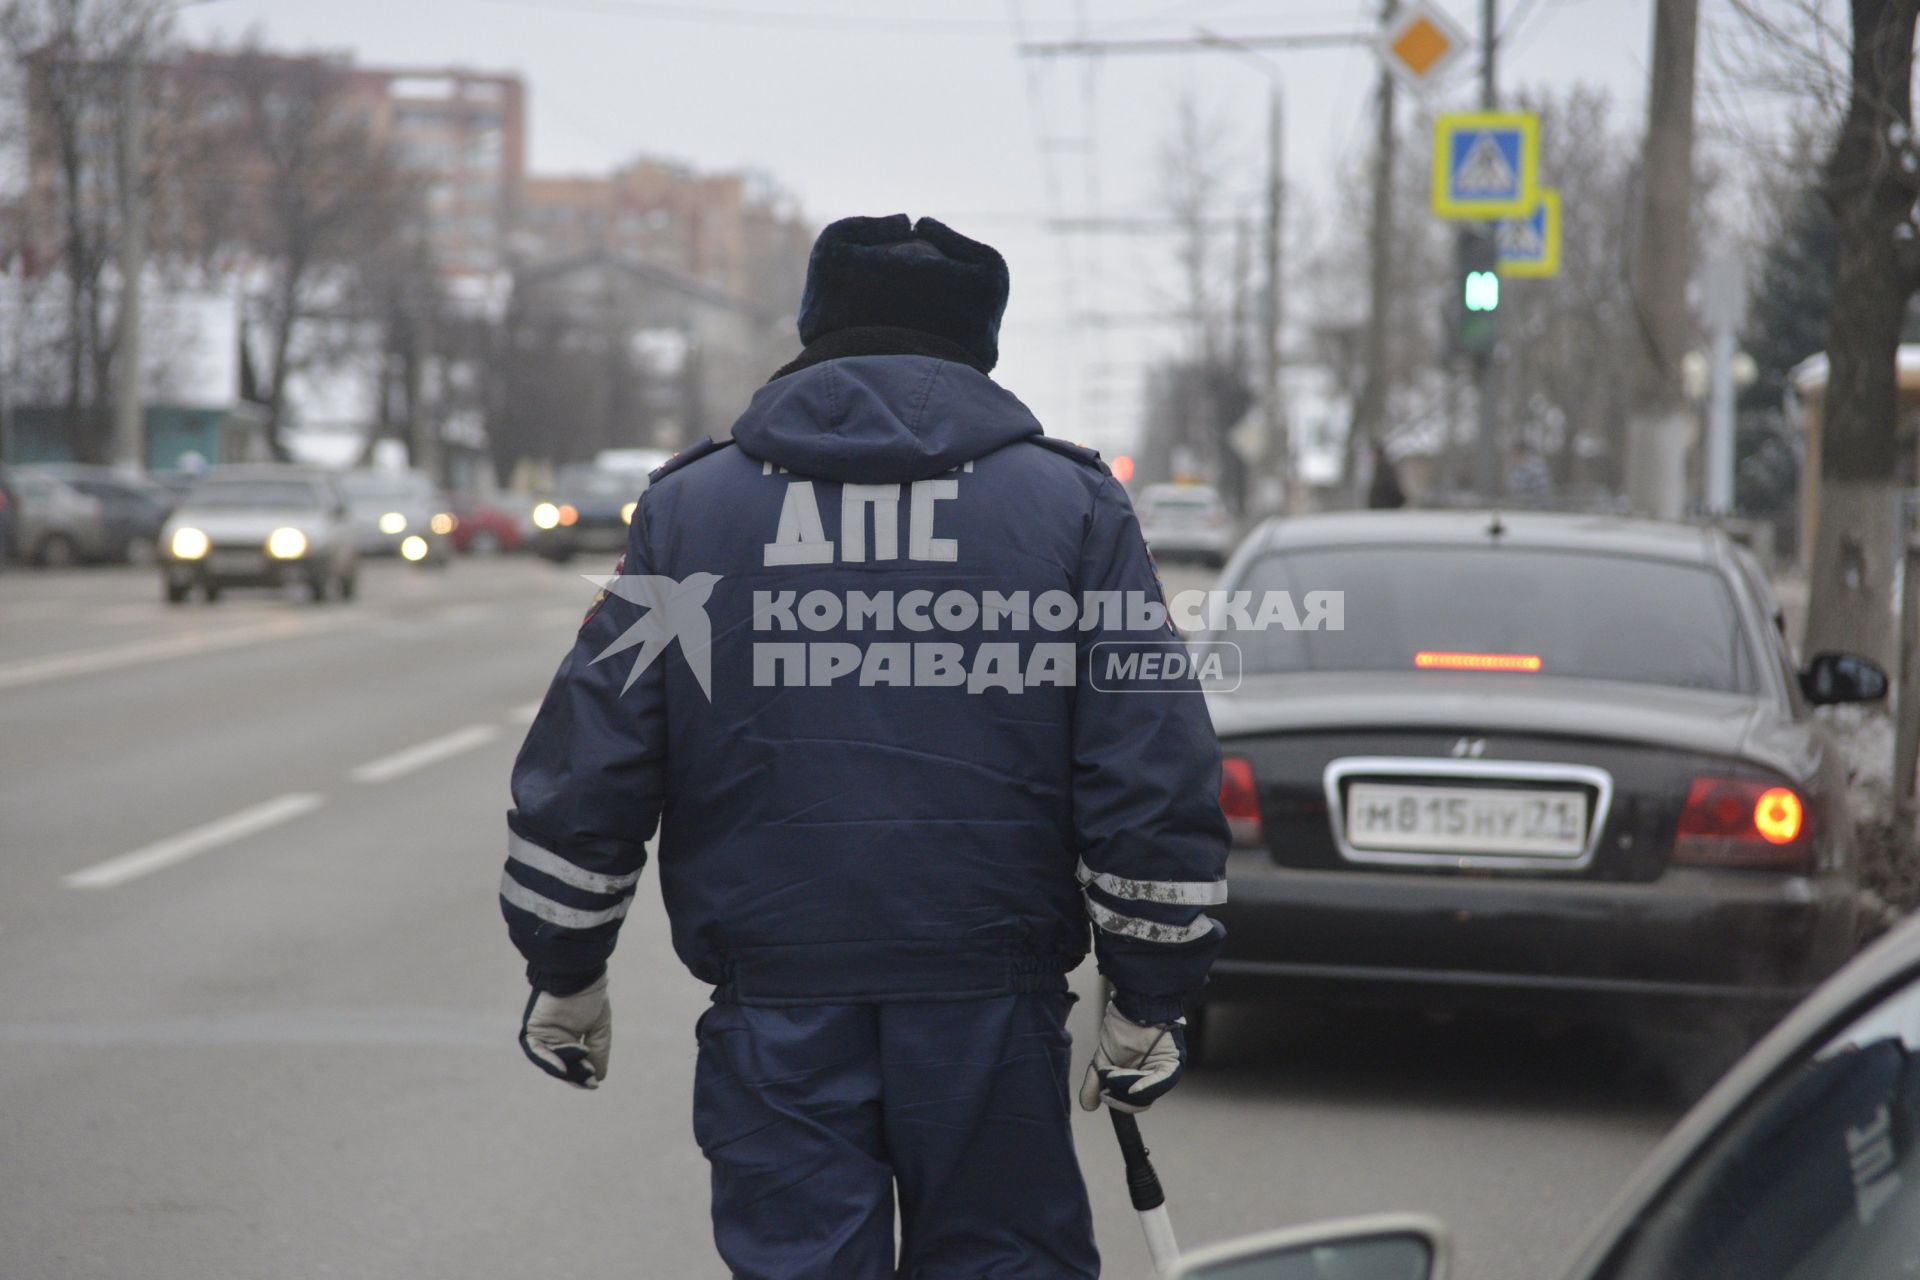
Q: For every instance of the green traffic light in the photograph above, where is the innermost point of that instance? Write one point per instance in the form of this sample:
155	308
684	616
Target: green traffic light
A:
1482	291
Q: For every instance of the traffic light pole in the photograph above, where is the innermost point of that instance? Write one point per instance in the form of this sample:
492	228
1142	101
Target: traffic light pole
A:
1487	454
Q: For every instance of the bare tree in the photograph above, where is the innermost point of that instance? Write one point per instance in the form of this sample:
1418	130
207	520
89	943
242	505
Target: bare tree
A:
1847	66
1872	181
321	194
1416	265
69	58
1572	338
1212	375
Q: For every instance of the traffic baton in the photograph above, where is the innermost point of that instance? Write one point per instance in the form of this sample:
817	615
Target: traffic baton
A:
1143	1187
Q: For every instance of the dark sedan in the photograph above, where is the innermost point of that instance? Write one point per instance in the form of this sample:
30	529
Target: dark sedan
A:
588	511
1556	763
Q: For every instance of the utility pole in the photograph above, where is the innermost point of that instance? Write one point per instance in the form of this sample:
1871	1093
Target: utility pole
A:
1658	430
129	425
1487	451
1370	405
1278	449
1278	452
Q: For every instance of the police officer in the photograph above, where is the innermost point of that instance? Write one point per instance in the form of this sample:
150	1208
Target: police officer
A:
891	675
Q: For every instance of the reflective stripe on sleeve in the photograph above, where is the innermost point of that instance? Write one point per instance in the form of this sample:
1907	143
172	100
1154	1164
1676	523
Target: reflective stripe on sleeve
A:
545	861
1180	893
1148	930
517	894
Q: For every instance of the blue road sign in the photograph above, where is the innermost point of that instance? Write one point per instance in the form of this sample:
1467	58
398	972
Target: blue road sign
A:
1530	244
1486	164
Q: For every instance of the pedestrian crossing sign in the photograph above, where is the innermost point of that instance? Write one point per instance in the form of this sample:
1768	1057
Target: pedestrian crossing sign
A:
1530	244
1486	164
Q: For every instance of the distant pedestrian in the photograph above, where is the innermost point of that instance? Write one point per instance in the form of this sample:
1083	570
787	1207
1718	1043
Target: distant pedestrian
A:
890	798
1384	492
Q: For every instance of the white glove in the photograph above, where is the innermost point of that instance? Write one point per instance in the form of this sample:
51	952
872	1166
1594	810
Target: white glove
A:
570	1037
1133	1065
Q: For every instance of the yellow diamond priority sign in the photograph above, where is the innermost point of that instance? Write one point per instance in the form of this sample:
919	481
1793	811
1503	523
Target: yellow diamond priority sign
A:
1420	42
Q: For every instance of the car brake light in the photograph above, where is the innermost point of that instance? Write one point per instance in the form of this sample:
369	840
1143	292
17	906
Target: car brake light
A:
1436	660
1239	801
1739	822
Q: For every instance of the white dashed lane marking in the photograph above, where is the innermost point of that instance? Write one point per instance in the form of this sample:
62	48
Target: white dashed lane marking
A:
174	850
401	763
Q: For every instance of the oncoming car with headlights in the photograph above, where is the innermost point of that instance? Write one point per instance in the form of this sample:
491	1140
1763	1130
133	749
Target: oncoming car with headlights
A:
261	526
589	510
399	513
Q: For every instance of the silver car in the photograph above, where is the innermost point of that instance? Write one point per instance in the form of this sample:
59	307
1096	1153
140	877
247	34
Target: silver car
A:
259	526
55	524
1185	522
399	513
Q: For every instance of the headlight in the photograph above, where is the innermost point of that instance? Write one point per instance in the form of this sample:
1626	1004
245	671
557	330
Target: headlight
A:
546	516
626	512
413	547
568	514
189	543
286	543
393	522
442	523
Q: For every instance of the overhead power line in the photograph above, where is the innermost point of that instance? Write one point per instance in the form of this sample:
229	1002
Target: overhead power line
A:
1190	44
723	15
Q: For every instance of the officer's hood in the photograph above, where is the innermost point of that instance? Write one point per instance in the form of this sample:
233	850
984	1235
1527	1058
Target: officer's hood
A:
881	419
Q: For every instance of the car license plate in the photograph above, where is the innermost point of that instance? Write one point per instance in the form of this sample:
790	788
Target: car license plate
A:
236	563
1534	821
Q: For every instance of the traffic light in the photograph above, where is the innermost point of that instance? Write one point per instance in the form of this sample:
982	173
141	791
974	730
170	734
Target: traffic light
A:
1475	307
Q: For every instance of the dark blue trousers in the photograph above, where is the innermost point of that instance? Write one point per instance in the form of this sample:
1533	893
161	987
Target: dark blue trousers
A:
814	1118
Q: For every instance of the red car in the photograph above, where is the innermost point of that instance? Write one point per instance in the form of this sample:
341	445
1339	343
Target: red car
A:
480	528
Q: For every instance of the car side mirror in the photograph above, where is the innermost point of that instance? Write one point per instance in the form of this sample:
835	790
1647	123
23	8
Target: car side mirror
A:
1842	677
1391	1247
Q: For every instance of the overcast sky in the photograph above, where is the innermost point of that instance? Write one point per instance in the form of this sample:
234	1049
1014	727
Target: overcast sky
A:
877	106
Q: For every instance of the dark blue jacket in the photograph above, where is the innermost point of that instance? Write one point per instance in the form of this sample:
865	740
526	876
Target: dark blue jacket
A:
839	820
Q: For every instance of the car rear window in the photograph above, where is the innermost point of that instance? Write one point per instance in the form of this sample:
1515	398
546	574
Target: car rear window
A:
1563	613
1180	501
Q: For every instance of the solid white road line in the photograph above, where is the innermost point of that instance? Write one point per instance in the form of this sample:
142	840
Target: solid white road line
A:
88	661
387	768
157	857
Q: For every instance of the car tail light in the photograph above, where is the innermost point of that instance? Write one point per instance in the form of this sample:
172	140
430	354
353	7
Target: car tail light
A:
1741	822
1239	801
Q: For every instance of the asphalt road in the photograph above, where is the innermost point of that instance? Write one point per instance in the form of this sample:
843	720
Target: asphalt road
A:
257	1008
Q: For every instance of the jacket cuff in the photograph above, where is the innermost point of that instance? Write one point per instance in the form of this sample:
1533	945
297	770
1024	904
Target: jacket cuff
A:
562	984
1149	1011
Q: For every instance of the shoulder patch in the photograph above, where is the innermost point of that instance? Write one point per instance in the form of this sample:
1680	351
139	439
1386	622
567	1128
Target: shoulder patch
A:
691	453
1078	452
